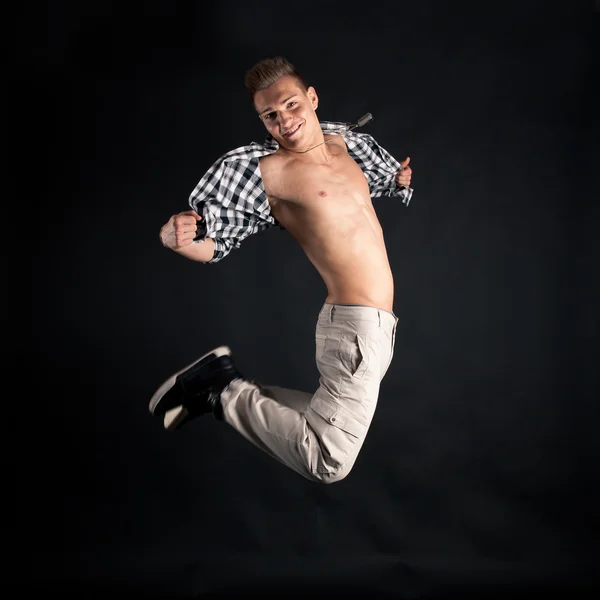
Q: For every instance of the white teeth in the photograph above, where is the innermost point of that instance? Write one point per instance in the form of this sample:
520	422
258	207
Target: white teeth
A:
292	131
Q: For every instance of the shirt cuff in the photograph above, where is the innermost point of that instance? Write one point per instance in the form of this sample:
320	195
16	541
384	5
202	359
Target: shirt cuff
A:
400	191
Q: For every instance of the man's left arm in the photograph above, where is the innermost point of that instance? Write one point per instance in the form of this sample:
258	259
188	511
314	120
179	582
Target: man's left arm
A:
385	175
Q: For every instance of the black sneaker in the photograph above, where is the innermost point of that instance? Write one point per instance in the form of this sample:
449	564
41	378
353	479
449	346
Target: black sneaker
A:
196	389
195	406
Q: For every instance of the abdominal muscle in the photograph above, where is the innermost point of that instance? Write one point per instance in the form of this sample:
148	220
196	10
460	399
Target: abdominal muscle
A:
344	241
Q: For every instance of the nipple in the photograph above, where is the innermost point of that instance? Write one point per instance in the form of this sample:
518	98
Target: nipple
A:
322	194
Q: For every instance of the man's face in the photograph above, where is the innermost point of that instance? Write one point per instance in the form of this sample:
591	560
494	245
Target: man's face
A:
287	111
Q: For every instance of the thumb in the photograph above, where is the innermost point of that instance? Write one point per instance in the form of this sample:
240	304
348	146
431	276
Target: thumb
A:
192	213
405	162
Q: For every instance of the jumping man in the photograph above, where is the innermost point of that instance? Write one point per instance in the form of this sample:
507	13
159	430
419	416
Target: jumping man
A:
315	180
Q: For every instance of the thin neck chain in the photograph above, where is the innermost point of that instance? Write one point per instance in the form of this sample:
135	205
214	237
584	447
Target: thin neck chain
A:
309	149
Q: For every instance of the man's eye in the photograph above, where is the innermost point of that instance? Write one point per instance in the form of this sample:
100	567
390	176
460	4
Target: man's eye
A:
292	103
269	116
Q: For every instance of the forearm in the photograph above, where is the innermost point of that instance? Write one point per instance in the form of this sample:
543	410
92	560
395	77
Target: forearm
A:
200	252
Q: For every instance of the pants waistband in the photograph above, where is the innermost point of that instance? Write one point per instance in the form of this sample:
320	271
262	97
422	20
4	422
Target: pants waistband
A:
331	313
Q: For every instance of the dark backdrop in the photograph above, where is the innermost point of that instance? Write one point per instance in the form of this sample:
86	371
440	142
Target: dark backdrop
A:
479	475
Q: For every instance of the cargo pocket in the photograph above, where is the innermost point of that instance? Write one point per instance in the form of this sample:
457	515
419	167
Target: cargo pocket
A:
337	437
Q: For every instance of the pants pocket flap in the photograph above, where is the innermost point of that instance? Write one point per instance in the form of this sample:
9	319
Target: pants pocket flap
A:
338	416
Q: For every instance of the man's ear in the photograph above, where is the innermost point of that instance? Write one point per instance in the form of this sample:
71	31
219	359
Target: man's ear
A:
312	95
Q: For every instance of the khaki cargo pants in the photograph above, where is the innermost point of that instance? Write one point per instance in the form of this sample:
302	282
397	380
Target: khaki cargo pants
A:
319	435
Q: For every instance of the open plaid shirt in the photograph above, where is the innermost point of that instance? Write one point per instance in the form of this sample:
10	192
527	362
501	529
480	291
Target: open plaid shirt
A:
231	196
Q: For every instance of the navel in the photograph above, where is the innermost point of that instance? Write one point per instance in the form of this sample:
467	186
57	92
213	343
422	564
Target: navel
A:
322	194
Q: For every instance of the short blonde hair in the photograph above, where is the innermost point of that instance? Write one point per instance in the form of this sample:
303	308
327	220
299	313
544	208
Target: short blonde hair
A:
267	71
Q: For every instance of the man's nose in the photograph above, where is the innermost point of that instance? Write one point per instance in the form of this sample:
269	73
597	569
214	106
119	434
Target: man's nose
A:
284	118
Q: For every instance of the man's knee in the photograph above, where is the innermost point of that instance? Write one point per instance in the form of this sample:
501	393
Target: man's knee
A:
334	477
331	475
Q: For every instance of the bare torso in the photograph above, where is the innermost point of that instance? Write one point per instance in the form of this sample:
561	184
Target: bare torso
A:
327	208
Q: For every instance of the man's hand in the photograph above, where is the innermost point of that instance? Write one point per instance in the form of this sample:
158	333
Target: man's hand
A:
180	230
404	175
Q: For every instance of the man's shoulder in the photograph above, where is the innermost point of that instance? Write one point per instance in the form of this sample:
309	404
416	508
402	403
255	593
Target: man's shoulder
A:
336	140
272	162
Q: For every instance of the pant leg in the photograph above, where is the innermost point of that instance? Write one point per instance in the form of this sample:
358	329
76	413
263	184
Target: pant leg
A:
295	399
320	435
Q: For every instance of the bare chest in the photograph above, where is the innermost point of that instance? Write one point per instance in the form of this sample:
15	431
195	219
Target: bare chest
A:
310	185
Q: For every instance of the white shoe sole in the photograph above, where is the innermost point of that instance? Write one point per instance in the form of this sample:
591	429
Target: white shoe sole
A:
173	417
169	383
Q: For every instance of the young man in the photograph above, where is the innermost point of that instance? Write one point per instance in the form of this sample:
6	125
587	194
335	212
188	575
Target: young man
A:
316	181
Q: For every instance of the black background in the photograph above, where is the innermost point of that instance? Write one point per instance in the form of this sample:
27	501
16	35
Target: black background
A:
479	476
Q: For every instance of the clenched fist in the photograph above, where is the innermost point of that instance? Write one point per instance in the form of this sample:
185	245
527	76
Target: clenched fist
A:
179	231
404	175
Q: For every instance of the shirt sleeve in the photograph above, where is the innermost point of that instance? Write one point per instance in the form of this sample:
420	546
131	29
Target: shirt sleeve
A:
231	199
379	166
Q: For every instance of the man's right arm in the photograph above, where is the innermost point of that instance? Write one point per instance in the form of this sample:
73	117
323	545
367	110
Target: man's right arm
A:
178	234
198	251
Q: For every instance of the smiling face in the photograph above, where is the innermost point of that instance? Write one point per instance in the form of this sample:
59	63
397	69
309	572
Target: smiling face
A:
288	112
